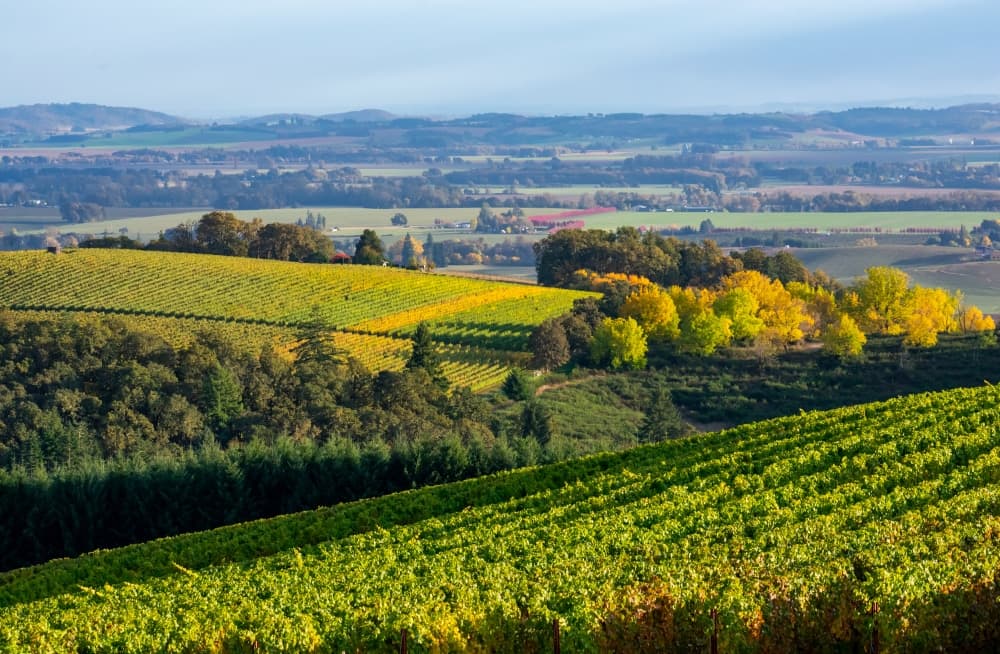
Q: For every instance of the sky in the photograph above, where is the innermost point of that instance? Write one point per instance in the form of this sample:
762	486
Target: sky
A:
216	59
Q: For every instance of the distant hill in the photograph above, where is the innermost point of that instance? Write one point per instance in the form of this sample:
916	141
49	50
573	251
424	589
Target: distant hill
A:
361	116
77	117
76	123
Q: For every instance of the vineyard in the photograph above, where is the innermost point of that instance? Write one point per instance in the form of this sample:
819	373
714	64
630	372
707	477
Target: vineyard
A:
791	531
371	310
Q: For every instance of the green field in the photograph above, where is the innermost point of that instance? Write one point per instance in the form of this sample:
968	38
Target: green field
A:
482	326
791	529
348	220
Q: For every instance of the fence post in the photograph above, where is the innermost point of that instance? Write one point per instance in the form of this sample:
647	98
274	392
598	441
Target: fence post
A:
714	642
556	646
402	642
875	639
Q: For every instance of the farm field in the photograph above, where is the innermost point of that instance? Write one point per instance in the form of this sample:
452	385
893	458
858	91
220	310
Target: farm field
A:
886	220
791	529
478	323
578	190
193	136
27	219
349	220
388	171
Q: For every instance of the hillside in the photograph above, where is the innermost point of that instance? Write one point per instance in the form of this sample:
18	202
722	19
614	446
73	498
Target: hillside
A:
502	129
792	529
57	118
481	327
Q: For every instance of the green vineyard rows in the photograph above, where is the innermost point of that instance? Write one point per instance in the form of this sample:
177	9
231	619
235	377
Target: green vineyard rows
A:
789	528
371	310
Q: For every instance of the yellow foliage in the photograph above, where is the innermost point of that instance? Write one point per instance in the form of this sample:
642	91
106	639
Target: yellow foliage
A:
926	313
654	310
843	337
592	281
880	298
785	317
972	320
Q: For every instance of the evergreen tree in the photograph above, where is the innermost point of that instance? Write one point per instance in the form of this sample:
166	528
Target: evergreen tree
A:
424	355
662	420
517	386
222	396
536	422
370	250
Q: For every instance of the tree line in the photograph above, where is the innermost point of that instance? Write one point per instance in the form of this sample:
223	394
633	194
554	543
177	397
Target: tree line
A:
692	298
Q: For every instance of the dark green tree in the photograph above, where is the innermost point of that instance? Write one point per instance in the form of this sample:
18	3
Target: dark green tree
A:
518	386
549	345
222	398
424	355
536	422
370	250
662	420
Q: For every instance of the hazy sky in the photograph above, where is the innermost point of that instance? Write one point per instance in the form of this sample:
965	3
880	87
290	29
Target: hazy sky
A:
224	58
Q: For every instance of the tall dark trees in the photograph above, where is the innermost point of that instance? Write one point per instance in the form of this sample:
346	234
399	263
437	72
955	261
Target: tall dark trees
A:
370	251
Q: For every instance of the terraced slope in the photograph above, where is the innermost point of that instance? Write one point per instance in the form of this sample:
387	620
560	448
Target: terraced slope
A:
791	529
375	309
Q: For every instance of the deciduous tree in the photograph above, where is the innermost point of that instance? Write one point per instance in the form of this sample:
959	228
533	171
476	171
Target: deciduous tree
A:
549	345
843	337
619	343
654	310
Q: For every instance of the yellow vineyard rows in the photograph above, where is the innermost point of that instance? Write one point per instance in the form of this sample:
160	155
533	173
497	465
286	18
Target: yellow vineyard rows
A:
371	299
482	326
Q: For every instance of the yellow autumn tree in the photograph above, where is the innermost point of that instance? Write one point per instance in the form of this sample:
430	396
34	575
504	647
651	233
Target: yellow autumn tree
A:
972	320
740	306
820	305
928	312
843	337
701	330
654	310
878	305
785	317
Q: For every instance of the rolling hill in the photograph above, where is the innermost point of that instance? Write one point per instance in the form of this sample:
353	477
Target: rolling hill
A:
41	119
482	327
821	532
